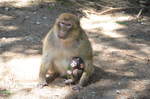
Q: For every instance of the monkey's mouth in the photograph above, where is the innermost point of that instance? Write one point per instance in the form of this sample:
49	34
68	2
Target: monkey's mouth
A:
62	35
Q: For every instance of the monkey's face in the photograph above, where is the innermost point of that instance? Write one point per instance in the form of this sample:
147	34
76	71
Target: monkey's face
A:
66	23
64	28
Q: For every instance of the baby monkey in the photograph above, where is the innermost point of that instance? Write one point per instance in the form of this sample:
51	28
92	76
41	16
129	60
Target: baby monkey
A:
75	70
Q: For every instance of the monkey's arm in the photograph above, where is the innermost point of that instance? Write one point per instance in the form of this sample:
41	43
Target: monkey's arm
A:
46	63
87	73
43	70
87	56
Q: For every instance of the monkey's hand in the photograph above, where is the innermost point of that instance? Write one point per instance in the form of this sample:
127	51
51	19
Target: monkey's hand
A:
77	87
42	84
69	72
68	81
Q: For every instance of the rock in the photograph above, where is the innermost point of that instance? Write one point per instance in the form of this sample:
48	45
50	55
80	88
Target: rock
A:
38	23
117	91
6	9
44	17
26	17
34	12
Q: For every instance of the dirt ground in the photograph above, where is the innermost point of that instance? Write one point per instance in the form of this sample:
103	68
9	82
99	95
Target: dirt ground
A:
120	41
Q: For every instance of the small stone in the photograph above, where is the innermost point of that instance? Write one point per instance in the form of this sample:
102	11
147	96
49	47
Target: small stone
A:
44	17
6	9
117	91
3	38
34	12
26	17
142	23
37	22
28	38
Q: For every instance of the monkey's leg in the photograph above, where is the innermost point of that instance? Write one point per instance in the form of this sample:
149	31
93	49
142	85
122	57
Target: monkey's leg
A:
69	81
77	75
51	77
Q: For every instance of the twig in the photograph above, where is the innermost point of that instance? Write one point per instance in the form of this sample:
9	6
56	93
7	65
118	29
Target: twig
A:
117	9
147	60
110	9
140	12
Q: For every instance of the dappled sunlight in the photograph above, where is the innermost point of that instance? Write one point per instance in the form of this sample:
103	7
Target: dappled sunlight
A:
17	3
105	30
6	17
8	28
43	93
4	41
121	73
53	92
145	48
20	71
139	85
117	53
105	24
23	3
4	26
25	68
20	75
127	74
101	46
125	93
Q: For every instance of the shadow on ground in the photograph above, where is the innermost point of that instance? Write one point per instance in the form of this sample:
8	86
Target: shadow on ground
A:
120	44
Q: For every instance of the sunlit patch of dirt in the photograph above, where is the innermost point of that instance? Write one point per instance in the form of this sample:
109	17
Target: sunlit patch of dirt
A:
23	3
20	69
20	76
44	93
105	28
17	3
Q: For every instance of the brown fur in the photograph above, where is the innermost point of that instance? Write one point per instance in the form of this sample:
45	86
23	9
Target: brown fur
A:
58	52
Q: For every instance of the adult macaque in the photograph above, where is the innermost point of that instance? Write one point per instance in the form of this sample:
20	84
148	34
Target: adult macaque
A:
65	40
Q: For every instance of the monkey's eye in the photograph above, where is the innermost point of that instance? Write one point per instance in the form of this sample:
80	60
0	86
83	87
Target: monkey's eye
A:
68	24
61	24
65	24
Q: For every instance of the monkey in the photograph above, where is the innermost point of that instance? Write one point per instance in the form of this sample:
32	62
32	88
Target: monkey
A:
75	70
65	40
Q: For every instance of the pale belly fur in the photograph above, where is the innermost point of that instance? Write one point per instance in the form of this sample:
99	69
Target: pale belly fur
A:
62	66
62	62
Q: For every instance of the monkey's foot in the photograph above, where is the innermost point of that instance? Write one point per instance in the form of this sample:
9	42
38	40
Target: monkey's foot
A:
41	85
68	81
77	87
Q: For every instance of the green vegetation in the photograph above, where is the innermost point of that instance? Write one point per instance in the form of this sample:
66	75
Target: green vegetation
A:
122	23
5	92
